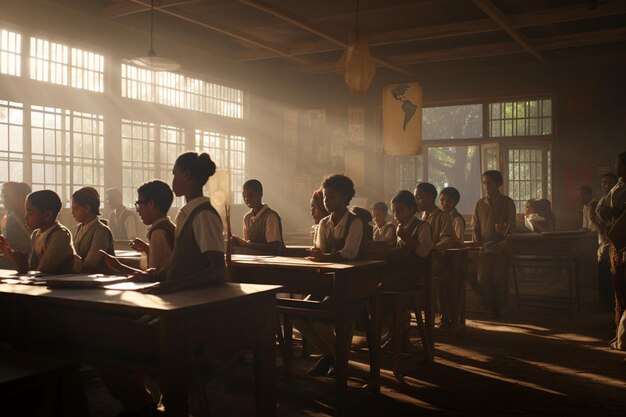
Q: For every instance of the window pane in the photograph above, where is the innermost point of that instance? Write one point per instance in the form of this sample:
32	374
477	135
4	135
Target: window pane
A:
452	122
458	167
526	178
520	118
11	141
10	53
138	167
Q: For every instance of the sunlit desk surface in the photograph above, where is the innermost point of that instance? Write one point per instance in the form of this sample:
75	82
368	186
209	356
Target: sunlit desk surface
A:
347	283
101	327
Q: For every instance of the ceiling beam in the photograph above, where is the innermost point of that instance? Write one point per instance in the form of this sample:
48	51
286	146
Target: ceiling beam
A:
505	23
491	50
522	20
312	28
228	31
126	8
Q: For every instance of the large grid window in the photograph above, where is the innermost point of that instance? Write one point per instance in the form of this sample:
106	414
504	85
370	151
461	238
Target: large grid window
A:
138	155
171	144
452	122
87	70
529	175
520	118
58	64
228	152
67	150
409	171
11	141
10	53
180	91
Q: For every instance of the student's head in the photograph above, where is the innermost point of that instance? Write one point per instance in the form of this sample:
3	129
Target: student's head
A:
379	212
541	207
531	207
403	206
113	198
608	181
492	181
620	165
85	204
154	199
338	192
425	195
42	208
585	194
14	195
191	171
449	197
318	210
252	193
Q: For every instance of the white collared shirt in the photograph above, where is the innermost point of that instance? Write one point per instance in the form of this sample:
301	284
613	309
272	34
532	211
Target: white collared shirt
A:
354	236
160	253
207	226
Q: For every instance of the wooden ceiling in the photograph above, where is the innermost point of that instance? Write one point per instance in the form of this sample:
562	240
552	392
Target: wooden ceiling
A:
308	37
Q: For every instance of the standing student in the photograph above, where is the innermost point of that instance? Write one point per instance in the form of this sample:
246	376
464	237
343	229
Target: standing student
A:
53	251
444	238
609	209
91	234
154	200
14	227
197	259
262	227
384	231
605	284
340	238
493	219
449	198
585	194
122	222
318	212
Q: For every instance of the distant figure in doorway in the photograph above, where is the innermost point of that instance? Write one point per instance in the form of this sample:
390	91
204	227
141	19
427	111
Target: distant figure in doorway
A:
122	222
538	215
492	221
14	227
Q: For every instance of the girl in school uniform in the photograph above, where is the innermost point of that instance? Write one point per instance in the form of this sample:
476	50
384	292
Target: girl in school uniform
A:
318	212
384	231
91	235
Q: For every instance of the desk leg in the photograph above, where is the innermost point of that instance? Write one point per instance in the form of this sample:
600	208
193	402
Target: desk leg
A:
342	344
265	361
374	340
174	376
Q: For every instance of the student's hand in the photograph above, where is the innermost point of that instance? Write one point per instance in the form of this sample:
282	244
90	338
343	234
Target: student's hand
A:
316	255
404	234
139	245
111	262
148	275
237	241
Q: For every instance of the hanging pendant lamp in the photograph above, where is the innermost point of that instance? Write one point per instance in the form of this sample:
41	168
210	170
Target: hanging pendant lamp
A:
151	61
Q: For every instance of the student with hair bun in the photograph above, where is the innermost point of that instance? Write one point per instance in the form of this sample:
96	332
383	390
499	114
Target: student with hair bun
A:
91	235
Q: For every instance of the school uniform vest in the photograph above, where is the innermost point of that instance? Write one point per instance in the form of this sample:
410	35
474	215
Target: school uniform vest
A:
403	258
168	227
335	245
186	256
65	266
256	228
83	245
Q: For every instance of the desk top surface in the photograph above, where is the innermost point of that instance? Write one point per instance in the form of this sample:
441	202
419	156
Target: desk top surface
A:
132	300
262	261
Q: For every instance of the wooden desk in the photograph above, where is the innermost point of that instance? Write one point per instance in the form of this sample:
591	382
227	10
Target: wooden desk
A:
129	257
551	250
101	327
346	283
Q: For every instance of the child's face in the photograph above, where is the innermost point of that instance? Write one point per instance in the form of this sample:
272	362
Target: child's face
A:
146	209
178	182
35	218
446	202
79	212
251	197
528	209
489	185
401	213
422	199
606	183
334	201
316	212
379	216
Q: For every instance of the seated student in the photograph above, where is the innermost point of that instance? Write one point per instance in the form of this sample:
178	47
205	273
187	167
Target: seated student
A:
262	227
91	235
122	222
538	216
449	197
492	221
384	231
154	200
605	285
585	195
53	251
366	218
318	212
340	238
13	226
197	259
